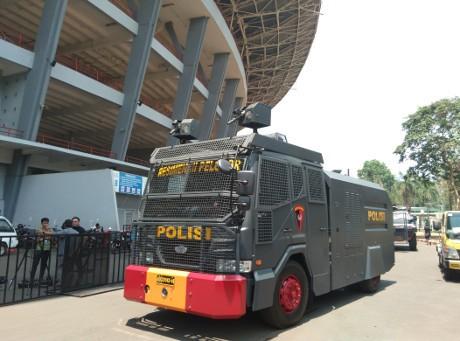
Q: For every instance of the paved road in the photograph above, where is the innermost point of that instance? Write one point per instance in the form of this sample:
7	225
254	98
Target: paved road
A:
415	303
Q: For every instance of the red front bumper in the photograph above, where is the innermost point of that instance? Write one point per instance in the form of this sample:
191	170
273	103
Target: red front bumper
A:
214	296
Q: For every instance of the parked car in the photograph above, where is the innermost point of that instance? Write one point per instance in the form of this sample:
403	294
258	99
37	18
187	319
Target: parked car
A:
449	247
405	229
8	236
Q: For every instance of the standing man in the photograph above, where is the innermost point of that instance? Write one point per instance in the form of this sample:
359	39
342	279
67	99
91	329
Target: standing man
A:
76	225
42	250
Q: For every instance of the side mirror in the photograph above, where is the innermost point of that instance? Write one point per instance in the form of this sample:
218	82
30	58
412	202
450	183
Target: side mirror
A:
245	182
224	166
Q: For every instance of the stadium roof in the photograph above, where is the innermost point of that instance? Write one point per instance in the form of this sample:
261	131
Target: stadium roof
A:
274	38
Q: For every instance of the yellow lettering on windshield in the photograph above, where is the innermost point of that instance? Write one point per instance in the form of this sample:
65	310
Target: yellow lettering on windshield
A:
208	166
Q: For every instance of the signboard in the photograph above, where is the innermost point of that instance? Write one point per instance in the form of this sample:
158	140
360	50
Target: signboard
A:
128	183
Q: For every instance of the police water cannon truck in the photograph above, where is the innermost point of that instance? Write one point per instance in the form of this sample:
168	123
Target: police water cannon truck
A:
253	223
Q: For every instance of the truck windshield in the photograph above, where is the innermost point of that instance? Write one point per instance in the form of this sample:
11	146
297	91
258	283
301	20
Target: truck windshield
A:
399	218
192	189
453	220
5	227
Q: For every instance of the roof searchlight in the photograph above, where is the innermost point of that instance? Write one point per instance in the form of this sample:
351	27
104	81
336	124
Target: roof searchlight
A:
254	116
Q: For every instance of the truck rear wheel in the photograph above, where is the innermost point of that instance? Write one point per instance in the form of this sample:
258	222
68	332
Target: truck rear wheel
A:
370	285
413	244
290	298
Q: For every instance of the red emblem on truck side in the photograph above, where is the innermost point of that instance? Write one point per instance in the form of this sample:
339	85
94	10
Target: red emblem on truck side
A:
299	216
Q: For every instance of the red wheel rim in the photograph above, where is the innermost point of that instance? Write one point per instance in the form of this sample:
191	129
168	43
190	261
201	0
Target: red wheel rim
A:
290	293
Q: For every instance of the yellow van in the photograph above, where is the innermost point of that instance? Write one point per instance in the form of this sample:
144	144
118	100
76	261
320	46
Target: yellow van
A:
449	247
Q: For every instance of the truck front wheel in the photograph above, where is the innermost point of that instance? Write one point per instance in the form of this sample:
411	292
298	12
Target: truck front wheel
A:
290	298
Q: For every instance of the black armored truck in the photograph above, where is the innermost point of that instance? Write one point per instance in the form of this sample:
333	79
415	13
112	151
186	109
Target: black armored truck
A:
253	223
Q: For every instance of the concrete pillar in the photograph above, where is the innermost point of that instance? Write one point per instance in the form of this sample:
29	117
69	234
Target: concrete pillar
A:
14	174
11	99
38	77
3	169
31	92
228	101
192	52
219	68
137	65
233	128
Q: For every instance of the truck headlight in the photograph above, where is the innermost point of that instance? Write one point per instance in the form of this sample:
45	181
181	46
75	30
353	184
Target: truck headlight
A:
452	253
229	265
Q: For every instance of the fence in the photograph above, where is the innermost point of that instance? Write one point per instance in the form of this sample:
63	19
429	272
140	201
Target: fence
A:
33	266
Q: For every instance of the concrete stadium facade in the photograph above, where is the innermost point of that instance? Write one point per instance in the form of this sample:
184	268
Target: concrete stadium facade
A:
96	84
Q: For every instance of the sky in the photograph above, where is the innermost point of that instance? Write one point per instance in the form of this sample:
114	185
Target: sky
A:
372	63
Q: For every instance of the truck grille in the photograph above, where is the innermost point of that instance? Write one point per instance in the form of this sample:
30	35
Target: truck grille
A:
191	255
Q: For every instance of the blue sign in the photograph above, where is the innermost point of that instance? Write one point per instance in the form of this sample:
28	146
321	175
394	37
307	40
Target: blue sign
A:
130	184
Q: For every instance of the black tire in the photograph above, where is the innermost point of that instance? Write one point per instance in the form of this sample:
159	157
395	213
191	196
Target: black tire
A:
278	315
3	249
413	244
448	274
370	285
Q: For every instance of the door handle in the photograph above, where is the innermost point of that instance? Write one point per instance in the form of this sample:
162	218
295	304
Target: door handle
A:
323	229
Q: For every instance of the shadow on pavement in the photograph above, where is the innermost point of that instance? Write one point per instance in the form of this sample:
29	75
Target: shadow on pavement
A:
186	327
403	248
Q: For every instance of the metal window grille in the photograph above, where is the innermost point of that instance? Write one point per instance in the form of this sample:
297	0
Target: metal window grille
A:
189	150
274	187
215	207
297	181
315	185
264	227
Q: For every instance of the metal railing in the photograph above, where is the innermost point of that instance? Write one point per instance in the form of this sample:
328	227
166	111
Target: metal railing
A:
78	64
8	131
47	139
37	266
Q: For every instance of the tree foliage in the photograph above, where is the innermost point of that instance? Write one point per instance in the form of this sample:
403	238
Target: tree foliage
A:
410	191
432	140
378	172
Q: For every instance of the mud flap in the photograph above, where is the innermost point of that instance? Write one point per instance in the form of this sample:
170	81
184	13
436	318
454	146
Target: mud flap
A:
374	261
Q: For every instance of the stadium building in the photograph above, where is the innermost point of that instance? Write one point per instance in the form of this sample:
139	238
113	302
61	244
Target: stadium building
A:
89	87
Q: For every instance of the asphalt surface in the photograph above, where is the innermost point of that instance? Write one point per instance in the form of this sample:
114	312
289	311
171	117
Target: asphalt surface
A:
414	303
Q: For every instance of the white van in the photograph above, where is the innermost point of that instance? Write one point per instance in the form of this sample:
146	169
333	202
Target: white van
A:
8	236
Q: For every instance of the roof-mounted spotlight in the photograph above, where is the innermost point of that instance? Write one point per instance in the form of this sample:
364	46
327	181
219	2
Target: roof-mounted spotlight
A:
254	116
185	130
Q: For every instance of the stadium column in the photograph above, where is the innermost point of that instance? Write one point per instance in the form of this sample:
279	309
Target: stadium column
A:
192	52
33	95
137	65
44	59
233	128
219	67
228	101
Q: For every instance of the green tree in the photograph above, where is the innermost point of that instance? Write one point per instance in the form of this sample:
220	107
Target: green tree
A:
378	172
412	191
433	141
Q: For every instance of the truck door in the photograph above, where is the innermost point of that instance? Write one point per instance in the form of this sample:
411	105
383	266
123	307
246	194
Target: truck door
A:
317	229
347	234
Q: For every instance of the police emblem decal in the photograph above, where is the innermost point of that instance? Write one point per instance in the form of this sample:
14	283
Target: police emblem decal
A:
181	249
299	216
